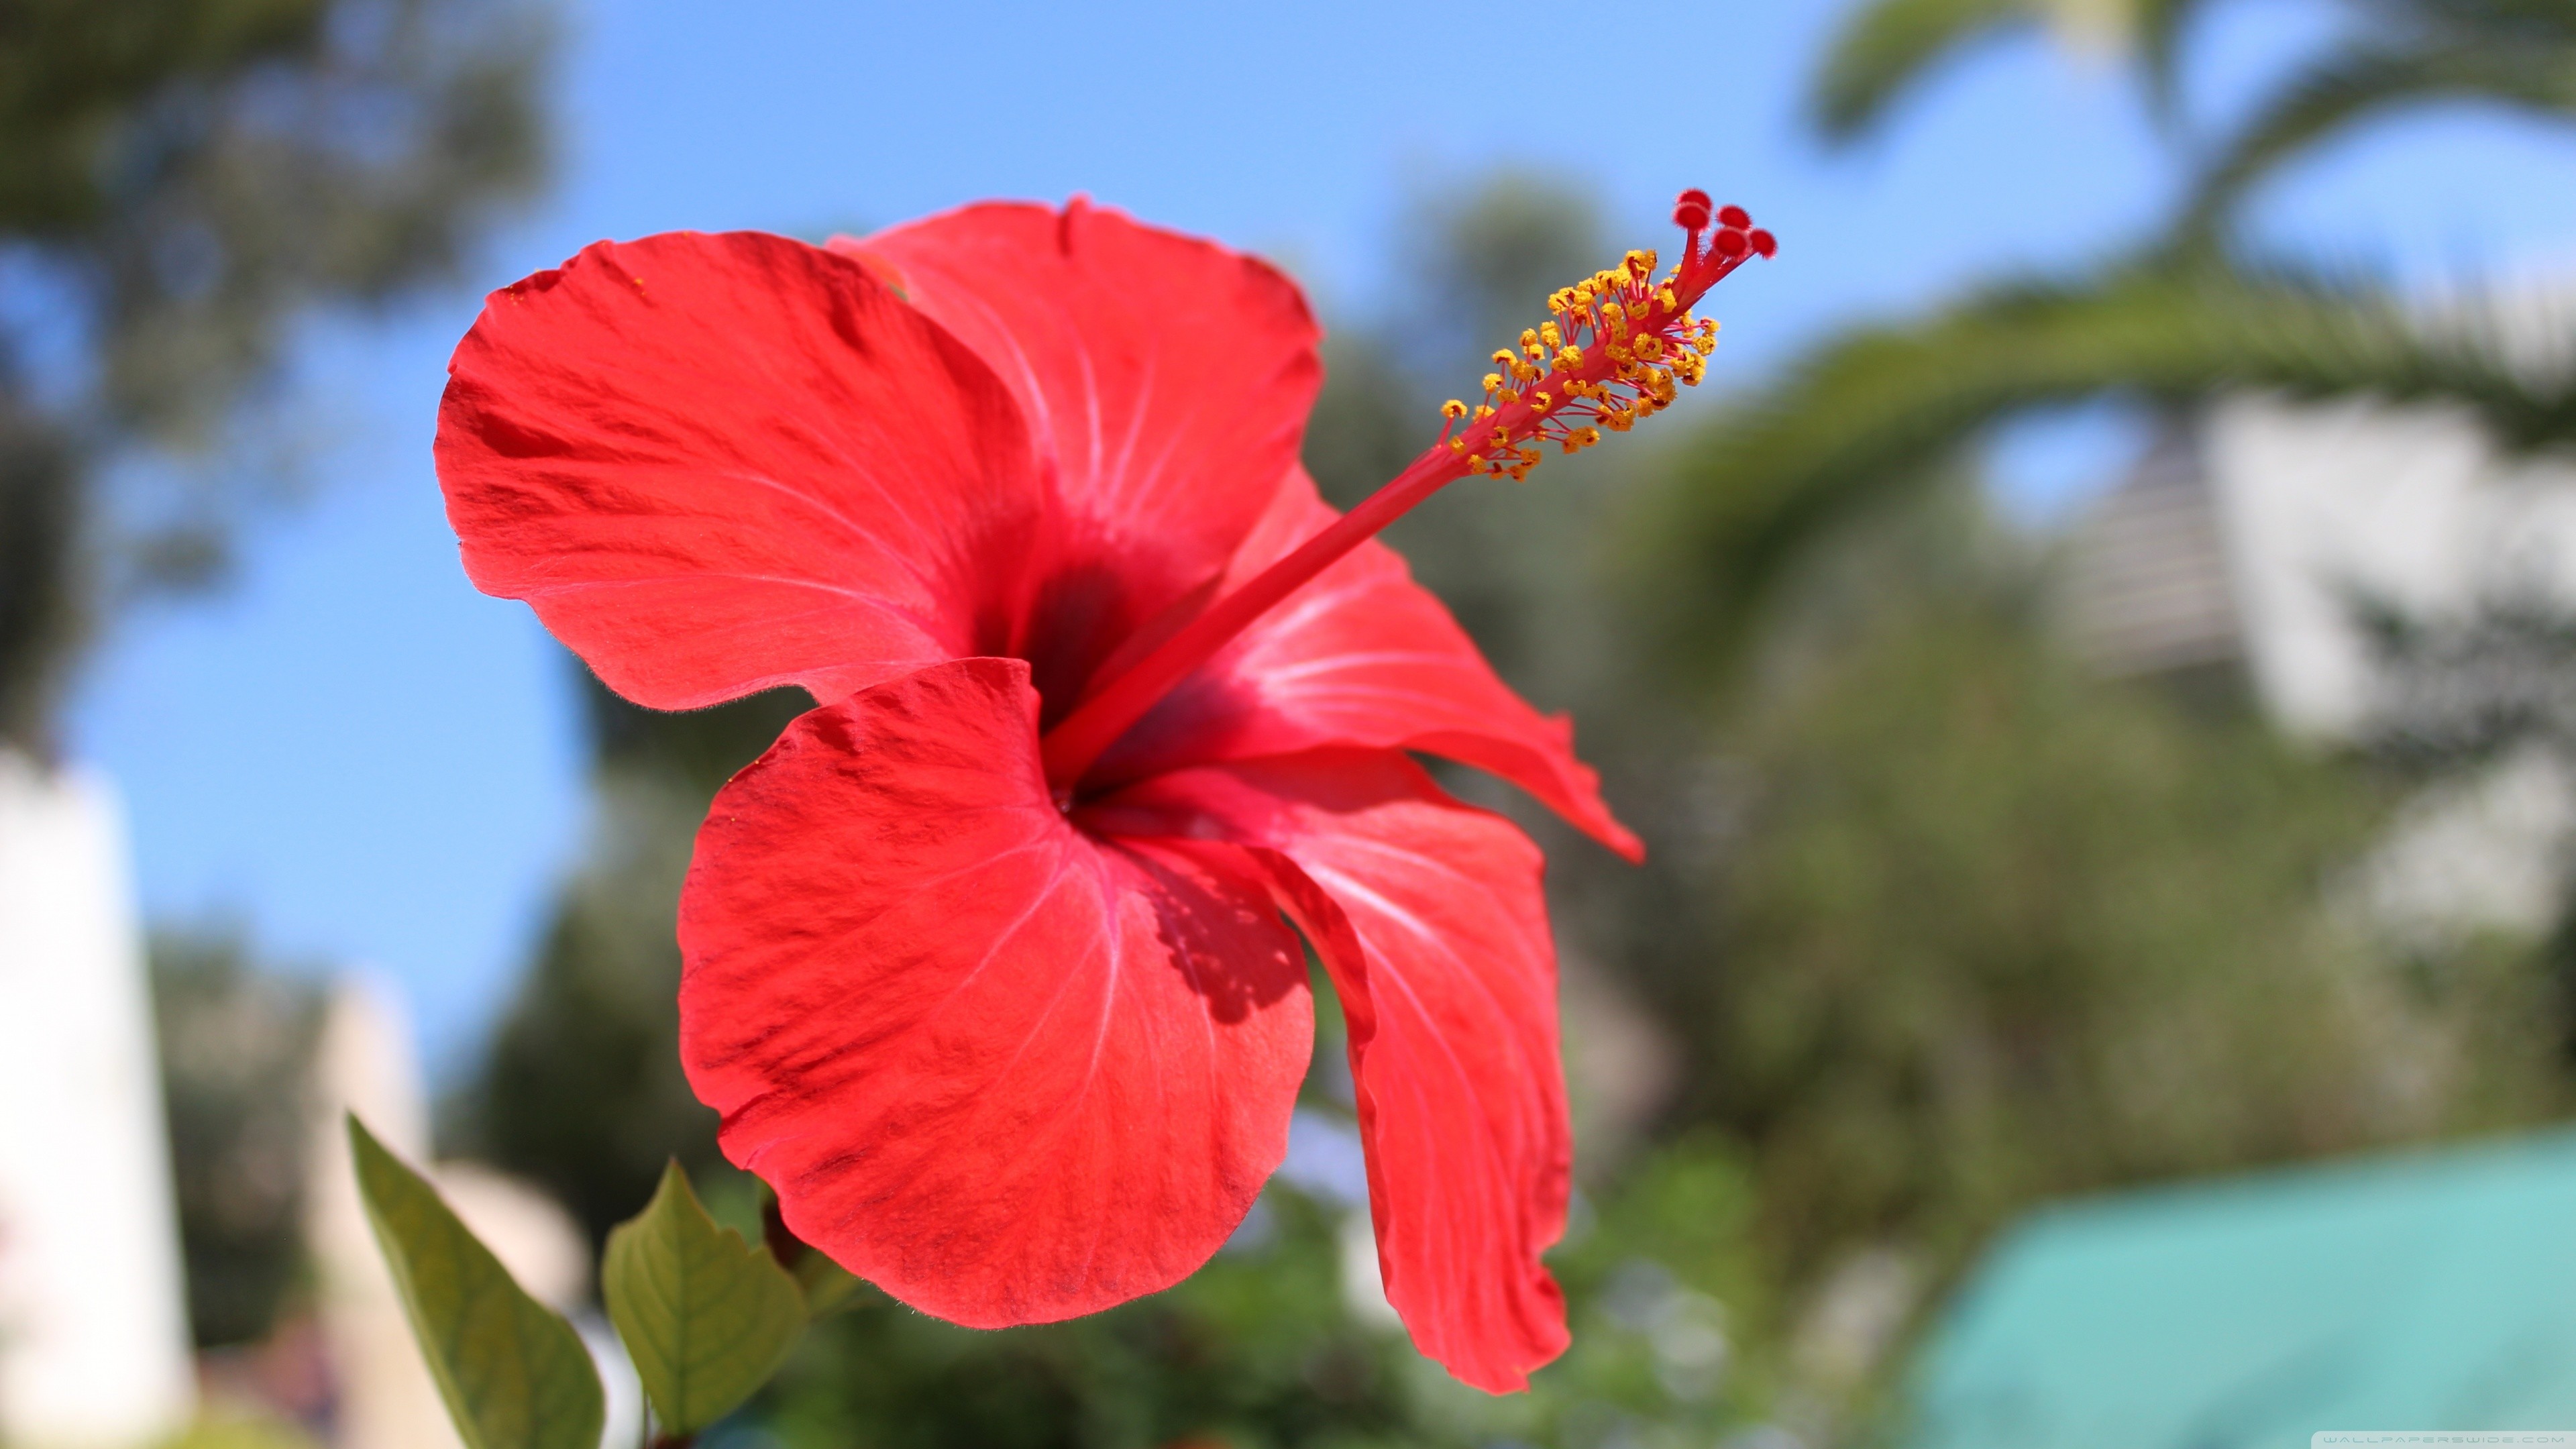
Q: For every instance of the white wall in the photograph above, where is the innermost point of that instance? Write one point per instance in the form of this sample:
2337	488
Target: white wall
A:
2408	504
93	1321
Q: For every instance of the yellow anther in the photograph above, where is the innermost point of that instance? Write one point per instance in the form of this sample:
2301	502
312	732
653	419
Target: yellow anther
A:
1621	327
1453	410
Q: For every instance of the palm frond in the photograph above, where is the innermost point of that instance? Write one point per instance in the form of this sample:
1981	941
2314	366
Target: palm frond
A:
1888	46
2344	89
1884	408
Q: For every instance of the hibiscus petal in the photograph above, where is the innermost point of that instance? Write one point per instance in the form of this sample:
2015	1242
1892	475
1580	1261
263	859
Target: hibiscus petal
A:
720	463
1167	378
1361	656
1428	916
1006	1070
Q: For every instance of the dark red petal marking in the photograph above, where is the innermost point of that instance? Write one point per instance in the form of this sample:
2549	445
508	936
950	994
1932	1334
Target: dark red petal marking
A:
1364	656
1428	915
1166	378
1003	1069
714	464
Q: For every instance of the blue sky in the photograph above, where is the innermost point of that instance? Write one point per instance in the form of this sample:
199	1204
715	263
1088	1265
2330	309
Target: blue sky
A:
359	759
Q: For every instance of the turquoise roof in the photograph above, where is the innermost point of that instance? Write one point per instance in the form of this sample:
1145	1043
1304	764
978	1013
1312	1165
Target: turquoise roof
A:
2430	1290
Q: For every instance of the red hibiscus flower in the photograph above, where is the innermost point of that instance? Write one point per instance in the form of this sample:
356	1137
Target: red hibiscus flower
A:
992	961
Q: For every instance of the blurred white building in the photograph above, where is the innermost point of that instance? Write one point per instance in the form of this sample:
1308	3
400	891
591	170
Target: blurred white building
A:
94	1349
2252	536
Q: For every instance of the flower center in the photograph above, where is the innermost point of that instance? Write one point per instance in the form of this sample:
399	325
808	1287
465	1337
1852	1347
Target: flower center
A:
1618	346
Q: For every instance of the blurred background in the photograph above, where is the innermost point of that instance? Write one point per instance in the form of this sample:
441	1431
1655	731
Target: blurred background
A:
2095	668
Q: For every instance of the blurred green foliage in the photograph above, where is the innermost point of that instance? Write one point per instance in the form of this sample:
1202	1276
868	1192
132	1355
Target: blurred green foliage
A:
179	181
1261	1349
1995	929
237	1037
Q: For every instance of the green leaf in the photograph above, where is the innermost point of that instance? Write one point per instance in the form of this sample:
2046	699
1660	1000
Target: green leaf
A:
706	1316
515	1376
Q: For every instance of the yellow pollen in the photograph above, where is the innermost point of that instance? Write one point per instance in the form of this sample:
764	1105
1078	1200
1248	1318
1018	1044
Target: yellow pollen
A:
1616	347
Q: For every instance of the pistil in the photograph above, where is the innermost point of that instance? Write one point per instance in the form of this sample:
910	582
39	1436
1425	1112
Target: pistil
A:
1616	348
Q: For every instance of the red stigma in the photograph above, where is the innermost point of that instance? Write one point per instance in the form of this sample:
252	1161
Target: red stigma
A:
1765	243
1690	210
1734	217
